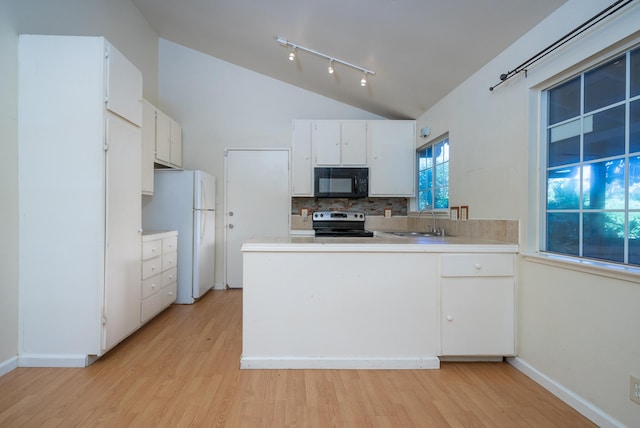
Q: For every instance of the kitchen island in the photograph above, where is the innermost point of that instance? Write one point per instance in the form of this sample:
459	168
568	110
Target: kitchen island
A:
358	303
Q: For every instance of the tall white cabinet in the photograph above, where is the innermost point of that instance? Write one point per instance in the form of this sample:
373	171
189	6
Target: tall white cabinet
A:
79	163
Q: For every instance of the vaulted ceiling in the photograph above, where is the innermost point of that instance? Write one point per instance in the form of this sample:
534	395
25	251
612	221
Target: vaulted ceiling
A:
419	49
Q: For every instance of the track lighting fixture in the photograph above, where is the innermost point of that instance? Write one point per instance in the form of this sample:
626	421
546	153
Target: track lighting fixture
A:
295	47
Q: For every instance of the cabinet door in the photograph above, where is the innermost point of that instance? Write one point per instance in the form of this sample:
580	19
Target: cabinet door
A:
121	313
477	316
353	143
392	154
326	142
124	87
163	137
148	146
301	169
176	143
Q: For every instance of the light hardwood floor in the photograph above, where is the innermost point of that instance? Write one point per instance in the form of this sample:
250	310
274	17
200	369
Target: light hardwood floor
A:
182	369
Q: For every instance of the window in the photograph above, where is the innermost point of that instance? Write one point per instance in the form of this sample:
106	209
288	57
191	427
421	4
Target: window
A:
433	176
592	157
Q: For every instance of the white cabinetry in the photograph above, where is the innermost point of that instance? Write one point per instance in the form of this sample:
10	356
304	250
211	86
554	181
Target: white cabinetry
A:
477	297
161	143
340	143
159	273
392	154
168	140
301	168
148	146
79	205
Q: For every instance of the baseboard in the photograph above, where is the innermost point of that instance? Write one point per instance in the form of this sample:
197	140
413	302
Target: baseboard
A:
338	363
586	408
8	365
53	360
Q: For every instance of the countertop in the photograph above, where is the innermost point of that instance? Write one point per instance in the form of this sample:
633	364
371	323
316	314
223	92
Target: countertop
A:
380	242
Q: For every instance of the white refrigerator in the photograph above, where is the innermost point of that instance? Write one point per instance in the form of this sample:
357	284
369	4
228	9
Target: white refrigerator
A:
185	201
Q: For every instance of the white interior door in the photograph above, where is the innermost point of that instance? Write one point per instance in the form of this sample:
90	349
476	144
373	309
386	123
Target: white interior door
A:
257	202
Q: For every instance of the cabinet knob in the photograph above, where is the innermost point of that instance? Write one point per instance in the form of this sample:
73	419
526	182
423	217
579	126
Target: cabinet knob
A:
449	318
478	266
170	293
153	286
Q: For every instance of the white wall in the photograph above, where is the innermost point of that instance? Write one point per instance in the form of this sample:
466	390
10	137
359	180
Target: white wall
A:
222	106
580	330
125	27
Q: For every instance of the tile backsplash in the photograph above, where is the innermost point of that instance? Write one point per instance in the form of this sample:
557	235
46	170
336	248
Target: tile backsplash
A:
369	206
493	230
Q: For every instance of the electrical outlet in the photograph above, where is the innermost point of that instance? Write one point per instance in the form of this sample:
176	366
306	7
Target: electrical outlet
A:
634	389
387	212
304	212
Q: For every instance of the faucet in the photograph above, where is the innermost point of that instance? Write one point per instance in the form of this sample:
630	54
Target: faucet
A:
433	214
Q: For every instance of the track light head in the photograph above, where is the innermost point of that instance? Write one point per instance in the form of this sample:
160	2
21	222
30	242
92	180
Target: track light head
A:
292	54
330	69
363	81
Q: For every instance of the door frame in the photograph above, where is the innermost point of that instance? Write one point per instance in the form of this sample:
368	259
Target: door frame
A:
226	193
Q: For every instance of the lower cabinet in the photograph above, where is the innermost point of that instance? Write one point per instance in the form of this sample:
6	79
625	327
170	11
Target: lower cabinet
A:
159	273
477	293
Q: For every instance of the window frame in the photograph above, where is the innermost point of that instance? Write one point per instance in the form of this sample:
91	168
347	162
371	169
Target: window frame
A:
544	169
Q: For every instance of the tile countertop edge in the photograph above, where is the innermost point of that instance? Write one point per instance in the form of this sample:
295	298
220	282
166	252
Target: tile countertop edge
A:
377	244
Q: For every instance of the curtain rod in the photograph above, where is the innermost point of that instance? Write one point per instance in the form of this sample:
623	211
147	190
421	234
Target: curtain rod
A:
615	7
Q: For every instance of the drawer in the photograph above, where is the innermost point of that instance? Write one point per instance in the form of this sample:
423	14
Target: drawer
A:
151	267
151	285
169	244
169	294
477	265
169	276
150	307
151	248
169	260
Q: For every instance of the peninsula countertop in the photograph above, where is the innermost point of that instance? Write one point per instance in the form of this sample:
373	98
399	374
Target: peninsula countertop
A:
380	242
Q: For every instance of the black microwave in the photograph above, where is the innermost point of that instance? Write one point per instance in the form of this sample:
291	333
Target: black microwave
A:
341	182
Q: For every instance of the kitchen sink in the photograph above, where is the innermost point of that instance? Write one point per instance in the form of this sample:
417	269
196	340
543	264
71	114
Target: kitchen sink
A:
412	234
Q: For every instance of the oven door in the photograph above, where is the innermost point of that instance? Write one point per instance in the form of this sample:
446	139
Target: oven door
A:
341	182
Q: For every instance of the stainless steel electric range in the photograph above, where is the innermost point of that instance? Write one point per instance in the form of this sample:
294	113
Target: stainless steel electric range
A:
340	223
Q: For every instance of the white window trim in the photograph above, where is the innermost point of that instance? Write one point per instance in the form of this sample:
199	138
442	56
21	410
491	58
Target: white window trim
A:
536	233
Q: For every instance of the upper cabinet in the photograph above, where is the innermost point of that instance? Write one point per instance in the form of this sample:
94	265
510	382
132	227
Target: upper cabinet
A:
340	143
392	150
121	86
301	168
387	147
168	140
148	146
161	143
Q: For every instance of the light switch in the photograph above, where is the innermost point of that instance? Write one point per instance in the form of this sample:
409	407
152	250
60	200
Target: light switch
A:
304	212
